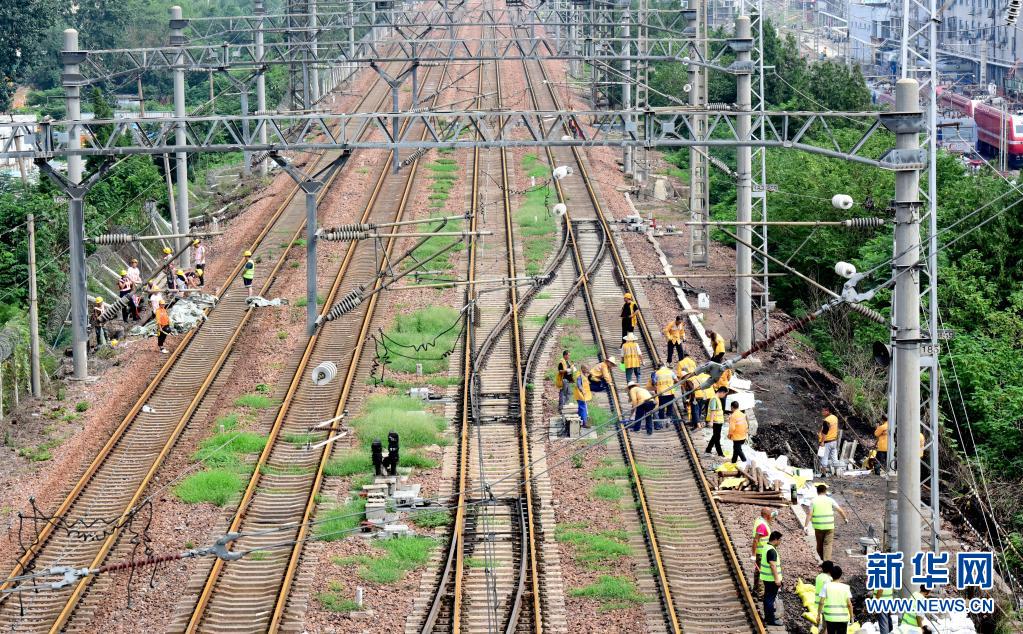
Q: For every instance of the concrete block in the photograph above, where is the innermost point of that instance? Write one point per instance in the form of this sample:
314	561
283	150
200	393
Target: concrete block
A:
395	530
376	511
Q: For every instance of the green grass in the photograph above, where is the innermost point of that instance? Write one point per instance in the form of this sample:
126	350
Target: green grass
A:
402	414
402	555
430	519
259	555
570	322
475	562
432	246
332	601
607	491
36	454
81	406
222	449
595	547
419	329
227	422
600	418
216	486
255	401
303	301
543	295
349	464
301	439
580	351
612	592
608	472
340	521
537	320
533	166
416	460
433	380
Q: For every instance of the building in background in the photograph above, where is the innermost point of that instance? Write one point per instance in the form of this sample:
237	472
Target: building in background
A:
869	30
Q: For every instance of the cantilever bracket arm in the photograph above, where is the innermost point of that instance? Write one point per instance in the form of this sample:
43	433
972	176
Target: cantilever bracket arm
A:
75	190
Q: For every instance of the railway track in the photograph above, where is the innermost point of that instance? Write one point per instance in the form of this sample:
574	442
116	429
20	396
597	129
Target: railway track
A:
115	483
702	589
282	493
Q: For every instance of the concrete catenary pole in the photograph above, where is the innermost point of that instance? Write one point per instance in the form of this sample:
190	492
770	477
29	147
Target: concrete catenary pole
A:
627	164
744	189
314	67
177	27
906	349
311	188
76	209
264	165
33	310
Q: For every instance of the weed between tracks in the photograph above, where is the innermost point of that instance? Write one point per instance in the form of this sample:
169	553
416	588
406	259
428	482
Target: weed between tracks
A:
613	593
425	337
415	426
595	549
537	227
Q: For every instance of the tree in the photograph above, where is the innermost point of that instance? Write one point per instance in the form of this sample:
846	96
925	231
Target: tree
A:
23	25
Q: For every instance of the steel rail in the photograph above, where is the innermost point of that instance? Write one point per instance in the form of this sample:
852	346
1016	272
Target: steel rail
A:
212	579
119	432
745	595
110	542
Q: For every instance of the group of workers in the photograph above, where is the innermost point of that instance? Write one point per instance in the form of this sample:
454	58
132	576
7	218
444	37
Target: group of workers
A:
178	282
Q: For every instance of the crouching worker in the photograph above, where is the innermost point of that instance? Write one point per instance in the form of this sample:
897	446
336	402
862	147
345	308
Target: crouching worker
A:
643	403
600	375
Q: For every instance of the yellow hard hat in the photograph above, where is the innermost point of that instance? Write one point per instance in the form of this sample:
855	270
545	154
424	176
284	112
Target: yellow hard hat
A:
198	271
113	343
196	241
167	250
247	254
179	272
124	271
99	300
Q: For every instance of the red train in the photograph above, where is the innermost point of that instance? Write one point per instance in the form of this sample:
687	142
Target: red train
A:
990	124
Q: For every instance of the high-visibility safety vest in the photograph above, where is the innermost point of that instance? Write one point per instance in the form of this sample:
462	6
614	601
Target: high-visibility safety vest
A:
836	602
910	618
250	270
707	393
881	433
685	366
719	344
599	372
822	513
724	379
582	388
564	368
630	354
765	566
822	580
738	426
162	318
675	333
630	310
715	414
832	434
664	381
762	546
639	395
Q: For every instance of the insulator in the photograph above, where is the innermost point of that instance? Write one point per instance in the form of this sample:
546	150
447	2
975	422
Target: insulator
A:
354	226
114	238
864	223
343	235
114	309
869	313
415	156
347	304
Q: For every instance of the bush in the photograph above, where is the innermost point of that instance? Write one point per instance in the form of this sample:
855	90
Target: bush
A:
81	406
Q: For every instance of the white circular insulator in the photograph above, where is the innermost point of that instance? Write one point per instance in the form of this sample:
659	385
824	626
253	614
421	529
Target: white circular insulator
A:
842	201
324	373
560	209
687	87
565	137
844	269
561	171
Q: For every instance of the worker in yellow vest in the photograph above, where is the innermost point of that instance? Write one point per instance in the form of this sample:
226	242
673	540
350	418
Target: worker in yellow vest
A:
600	375
770	575
823	579
738	428
716	420
642	407
248	272
631	357
664	385
702	397
582	394
563	379
822	516
685	366
630	315
717	343
724	380
675	333
761	530
835	608
827	440
884	620
881	434
912	621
